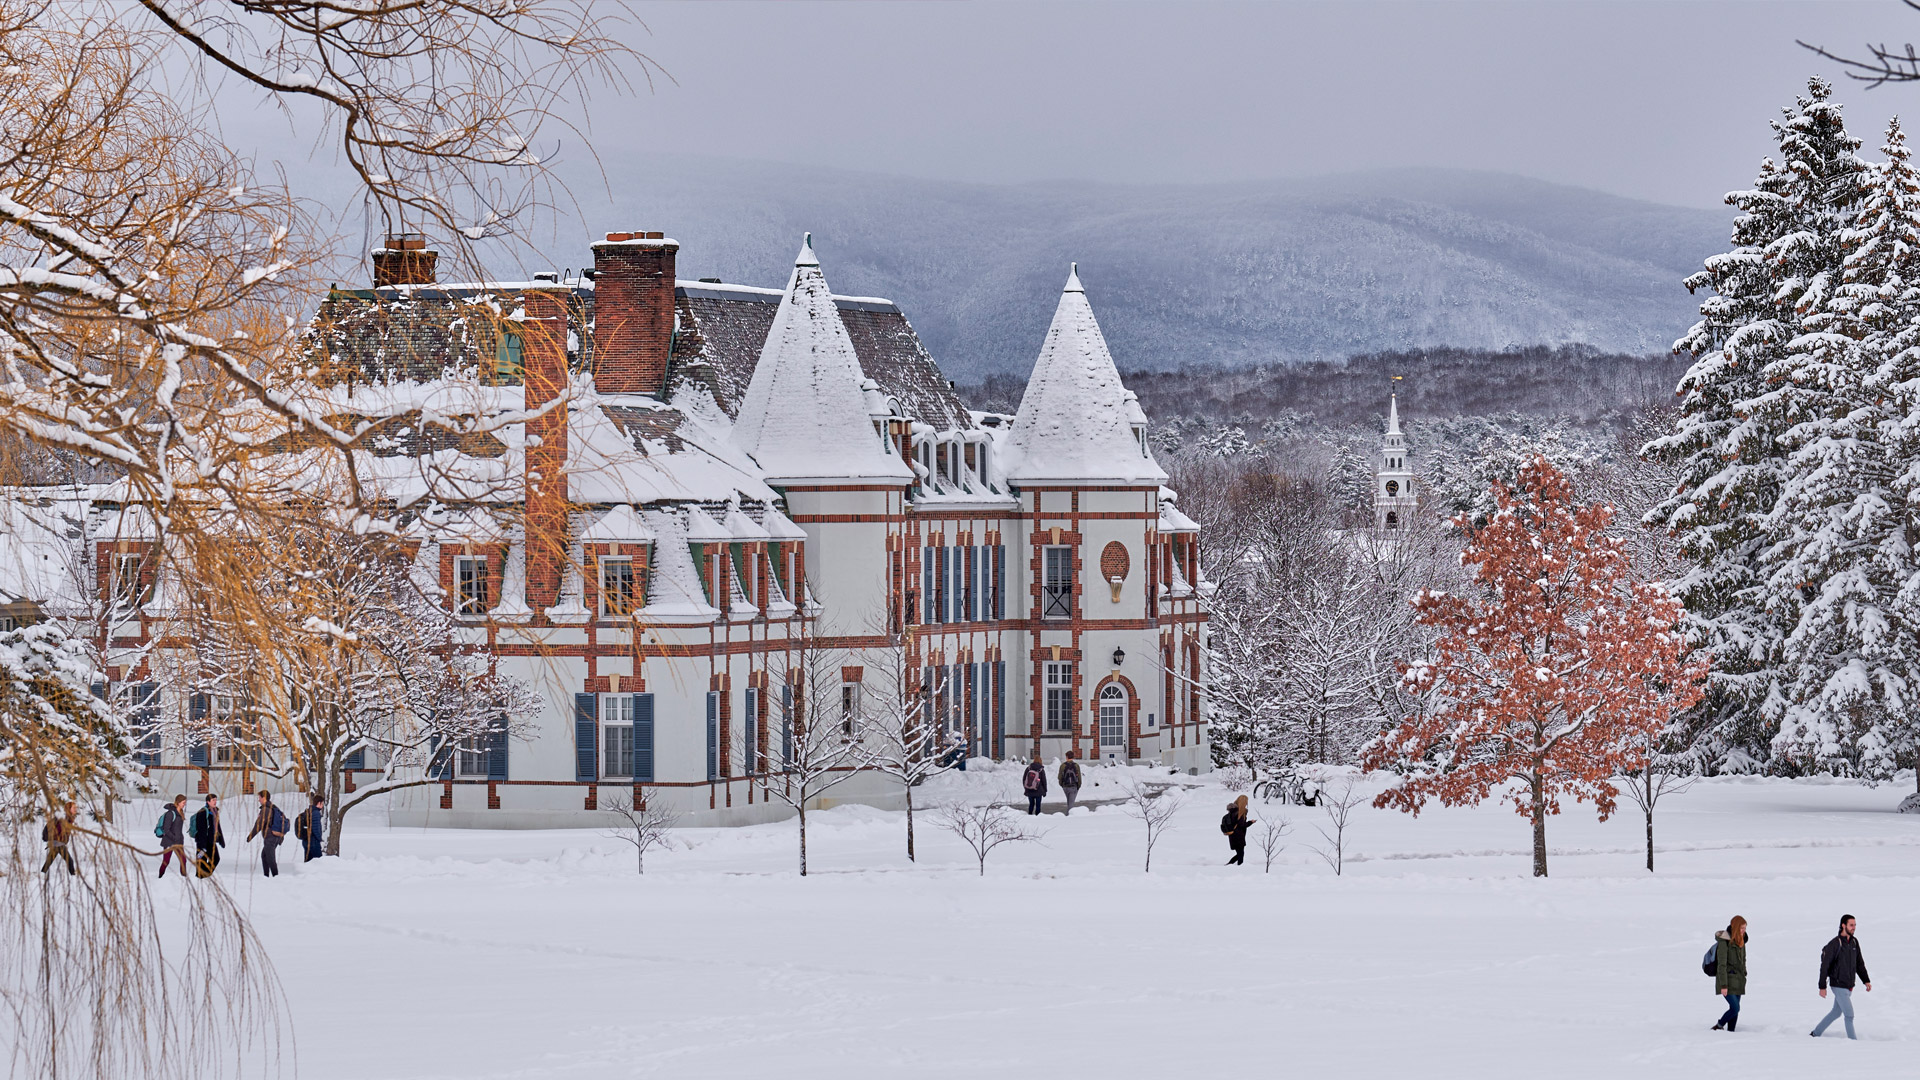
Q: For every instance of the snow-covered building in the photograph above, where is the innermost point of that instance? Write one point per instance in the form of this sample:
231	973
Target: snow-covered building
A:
1394	501
722	473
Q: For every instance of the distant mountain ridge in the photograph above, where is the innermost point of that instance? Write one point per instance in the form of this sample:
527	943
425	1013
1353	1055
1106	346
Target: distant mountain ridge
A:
1281	271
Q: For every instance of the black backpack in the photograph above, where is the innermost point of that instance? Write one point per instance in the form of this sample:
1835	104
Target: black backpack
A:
1229	821
1710	963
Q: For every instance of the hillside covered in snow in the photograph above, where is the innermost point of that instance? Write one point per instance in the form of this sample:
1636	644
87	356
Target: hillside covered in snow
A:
1230	274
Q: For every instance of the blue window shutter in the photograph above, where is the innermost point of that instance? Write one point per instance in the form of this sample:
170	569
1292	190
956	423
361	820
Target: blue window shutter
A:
586	731
643	738
197	715
1000	709
713	735
786	724
1000	581
749	731
926	585
497	749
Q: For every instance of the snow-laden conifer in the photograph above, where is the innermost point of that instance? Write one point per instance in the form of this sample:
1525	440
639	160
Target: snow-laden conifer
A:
1736	403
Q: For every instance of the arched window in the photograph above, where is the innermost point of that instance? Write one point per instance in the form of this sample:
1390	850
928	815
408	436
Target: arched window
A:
1113	721
1393	520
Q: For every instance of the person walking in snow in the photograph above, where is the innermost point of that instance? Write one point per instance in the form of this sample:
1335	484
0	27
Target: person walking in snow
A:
173	834
270	825
1235	825
58	832
310	828
1069	778
1730	970
208	838
956	756
1034	783
1840	965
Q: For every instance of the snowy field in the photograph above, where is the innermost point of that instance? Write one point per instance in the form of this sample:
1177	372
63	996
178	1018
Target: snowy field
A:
472	954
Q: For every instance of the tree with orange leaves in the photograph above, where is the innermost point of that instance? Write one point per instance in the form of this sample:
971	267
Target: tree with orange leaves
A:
1554	675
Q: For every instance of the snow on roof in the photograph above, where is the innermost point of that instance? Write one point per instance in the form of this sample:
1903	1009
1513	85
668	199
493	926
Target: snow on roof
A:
617	525
127	523
1075	422
741	527
781	527
674	593
638	450
803	416
1173	521
38	552
702	529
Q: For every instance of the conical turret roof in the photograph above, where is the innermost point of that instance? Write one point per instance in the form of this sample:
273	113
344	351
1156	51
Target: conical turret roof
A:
803	416
1076	421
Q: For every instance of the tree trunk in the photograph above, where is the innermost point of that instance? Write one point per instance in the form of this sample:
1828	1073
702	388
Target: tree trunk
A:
1647	779
1539	825
909	787
336	813
803	838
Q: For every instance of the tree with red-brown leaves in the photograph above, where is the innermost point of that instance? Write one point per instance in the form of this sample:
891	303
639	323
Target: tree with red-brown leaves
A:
1554	675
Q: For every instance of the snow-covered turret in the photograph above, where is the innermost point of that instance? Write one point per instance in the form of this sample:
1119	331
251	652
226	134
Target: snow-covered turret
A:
804	417
1077	423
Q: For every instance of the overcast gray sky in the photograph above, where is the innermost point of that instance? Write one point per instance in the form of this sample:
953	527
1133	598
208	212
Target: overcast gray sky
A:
1665	101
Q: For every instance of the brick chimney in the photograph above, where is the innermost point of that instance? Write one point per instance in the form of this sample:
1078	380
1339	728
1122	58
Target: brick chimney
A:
543	359
632	312
405	260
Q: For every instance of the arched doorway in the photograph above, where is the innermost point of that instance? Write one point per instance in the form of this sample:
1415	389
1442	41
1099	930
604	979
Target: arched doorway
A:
1113	723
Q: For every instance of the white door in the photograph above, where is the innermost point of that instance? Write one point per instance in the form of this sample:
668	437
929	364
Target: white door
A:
1113	723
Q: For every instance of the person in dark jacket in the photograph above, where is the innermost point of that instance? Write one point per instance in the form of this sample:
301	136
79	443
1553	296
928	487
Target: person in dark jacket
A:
310	828
1034	783
1235	825
270	825
1840	964
173	835
1069	778
208	838
58	833
1730	974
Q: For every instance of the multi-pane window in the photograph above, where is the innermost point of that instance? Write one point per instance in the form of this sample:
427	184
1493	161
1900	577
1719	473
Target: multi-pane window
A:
470	585
1113	716
126	585
617	587
1059	688
1056	583
616	734
473	760
223	715
849	708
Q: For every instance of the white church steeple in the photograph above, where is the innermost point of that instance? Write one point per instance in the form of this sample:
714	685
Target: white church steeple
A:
1393	499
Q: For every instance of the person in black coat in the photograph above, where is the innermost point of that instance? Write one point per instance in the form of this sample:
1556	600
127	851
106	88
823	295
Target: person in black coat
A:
173	839
208	839
1034	783
1840	965
271	827
1235	825
310	828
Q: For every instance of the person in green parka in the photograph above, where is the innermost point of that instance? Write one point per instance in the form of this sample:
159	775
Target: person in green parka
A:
1730	978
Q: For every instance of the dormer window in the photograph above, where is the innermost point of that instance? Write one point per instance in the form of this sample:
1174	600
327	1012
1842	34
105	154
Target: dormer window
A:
127	587
470	593
618	587
1140	438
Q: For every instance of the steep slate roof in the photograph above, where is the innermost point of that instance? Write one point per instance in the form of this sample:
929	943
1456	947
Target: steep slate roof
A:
1076	418
421	333
803	415
722	329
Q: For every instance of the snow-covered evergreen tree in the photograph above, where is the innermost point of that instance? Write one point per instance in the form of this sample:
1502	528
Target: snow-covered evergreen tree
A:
1349	479
1739	399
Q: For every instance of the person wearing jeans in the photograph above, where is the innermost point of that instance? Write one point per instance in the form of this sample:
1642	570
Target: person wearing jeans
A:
1840	965
1730	975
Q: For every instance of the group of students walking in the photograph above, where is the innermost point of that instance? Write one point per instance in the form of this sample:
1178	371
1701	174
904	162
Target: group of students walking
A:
1033	782
1841	967
270	824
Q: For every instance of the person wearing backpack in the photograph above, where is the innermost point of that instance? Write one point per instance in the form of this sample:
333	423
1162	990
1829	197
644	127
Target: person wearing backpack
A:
208	838
1730	970
1840	964
171	830
1235	825
58	832
271	826
1034	783
310	828
1070	780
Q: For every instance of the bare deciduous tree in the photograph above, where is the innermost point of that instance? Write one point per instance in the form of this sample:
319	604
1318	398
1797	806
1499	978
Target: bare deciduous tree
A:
1154	806
823	736
983	828
1272	840
1338	801
646	825
903	734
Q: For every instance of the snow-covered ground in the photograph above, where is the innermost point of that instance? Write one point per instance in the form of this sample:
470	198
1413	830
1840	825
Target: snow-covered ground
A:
542	954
